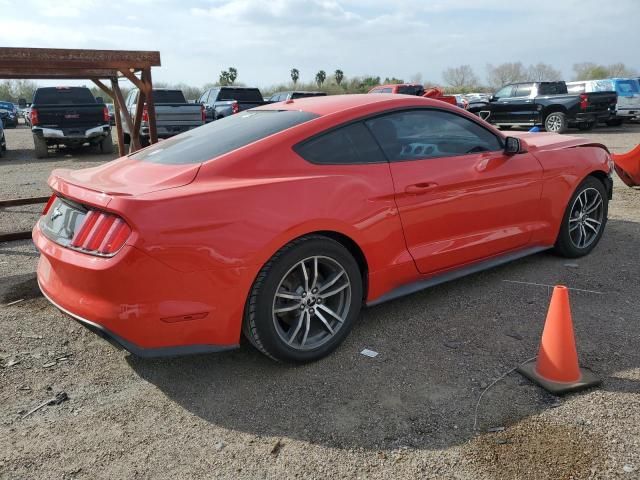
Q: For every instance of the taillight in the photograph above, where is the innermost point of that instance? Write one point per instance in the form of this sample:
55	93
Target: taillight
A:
584	101
235	108
203	113
145	114
46	208
101	233
33	117
105	115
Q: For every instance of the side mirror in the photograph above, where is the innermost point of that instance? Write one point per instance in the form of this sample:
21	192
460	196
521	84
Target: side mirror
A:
513	146
22	103
99	100
493	98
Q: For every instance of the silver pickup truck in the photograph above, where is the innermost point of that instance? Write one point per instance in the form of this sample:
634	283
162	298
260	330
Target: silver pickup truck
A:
174	114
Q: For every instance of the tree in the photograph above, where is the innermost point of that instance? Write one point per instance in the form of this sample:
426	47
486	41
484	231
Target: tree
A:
295	75
14	90
506	73
460	78
392	81
589	71
233	74
543	72
321	76
339	75
224	78
621	70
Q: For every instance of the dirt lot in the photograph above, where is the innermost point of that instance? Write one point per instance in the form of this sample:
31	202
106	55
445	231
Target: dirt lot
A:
408	413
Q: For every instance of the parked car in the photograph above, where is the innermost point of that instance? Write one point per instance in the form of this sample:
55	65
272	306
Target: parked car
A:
112	113
293	95
174	114
548	104
415	89
68	116
628	90
230	228
8	114
220	102
3	140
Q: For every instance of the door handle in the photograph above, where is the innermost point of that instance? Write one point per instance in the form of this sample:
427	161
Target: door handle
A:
418	188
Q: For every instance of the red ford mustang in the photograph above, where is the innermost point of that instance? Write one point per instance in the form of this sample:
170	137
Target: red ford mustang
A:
280	222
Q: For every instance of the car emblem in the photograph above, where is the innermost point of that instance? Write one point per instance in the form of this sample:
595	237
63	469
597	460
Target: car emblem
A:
56	213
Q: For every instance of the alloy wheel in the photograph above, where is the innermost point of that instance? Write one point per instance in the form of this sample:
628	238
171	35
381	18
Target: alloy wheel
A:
311	303
554	123
585	219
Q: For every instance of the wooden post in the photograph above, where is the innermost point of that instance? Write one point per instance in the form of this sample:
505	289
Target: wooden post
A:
125	112
151	107
116	107
135	133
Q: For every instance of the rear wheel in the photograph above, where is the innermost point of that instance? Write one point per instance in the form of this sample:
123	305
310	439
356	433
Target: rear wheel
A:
584	219
556	122
41	148
106	144
616	122
304	300
126	138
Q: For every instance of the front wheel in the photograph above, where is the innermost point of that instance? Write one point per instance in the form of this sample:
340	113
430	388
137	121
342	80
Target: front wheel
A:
304	301
584	219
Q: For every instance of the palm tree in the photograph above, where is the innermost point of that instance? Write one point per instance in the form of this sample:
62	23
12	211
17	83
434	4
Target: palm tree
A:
321	76
233	74
295	75
339	75
224	77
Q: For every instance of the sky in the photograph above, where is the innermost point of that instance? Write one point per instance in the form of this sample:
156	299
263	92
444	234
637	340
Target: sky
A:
264	39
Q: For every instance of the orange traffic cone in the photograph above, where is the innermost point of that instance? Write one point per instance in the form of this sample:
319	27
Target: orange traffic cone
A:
556	368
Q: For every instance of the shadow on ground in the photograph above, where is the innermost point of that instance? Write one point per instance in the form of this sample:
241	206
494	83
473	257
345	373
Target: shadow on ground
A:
438	349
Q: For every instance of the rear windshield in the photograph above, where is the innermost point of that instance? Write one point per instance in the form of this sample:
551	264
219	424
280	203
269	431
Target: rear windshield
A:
168	96
411	90
240	94
307	94
222	136
63	96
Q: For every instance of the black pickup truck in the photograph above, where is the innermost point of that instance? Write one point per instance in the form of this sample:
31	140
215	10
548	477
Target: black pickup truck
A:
547	104
69	116
220	102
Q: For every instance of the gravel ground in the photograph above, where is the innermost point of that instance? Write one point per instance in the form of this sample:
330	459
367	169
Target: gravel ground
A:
408	413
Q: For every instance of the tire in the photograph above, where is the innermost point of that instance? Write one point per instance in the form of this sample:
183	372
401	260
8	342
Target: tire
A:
144	142
3	145
505	127
106	144
614	123
304	330
556	122
40	144
126	138
590	196
586	126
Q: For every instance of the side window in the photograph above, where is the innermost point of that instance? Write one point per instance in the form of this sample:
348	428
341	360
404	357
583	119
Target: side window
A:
204	97
351	144
423	134
387	90
523	90
504	92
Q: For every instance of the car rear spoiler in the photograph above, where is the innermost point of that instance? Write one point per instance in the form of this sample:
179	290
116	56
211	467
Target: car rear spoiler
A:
627	166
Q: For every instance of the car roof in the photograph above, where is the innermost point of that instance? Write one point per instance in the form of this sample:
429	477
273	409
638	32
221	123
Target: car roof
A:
338	103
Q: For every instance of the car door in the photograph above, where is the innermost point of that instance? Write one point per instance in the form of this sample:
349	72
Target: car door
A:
520	107
496	111
460	197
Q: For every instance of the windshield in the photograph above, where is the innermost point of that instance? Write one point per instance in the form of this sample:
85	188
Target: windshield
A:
626	87
222	136
6	106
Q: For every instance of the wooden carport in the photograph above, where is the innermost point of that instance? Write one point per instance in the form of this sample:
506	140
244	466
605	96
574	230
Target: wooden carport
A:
97	66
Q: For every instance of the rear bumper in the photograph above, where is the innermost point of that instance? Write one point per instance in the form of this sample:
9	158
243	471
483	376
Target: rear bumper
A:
141	304
628	113
72	134
168	131
589	117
